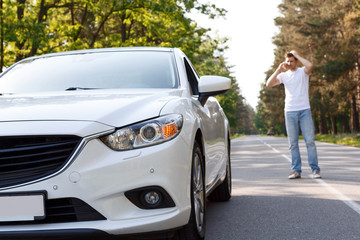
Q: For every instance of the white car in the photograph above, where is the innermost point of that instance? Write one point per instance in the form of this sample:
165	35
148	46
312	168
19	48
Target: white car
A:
110	142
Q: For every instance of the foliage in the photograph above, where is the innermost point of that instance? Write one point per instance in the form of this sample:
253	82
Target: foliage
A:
239	113
38	27
343	139
35	27
327	33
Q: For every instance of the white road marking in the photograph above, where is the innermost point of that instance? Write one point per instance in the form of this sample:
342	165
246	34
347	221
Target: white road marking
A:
353	205
345	199
275	150
286	157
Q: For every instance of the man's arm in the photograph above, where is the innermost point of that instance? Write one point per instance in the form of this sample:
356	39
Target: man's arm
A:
273	80
307	64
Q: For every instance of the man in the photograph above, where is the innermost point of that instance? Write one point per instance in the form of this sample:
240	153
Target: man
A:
297	109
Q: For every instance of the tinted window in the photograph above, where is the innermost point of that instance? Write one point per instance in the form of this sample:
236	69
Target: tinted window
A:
137	69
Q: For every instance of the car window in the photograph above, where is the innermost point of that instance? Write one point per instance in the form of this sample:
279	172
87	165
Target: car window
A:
191	75
99	70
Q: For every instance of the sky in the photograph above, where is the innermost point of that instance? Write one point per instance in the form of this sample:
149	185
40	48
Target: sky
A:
249	25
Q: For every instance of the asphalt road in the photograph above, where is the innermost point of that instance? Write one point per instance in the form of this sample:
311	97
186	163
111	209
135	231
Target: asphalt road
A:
266	205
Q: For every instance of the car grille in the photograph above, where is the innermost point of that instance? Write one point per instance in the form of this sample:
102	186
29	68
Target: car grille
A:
28	158
70	210
64	210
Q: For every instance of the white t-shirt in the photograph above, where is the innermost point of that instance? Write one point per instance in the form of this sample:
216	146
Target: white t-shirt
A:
296	89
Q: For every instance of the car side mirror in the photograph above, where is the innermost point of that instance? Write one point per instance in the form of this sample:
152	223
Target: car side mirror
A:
211	86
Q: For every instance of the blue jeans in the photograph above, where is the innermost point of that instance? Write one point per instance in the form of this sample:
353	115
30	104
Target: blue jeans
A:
292	121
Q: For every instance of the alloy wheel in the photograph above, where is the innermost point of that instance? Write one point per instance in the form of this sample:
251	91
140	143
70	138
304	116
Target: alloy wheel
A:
198	193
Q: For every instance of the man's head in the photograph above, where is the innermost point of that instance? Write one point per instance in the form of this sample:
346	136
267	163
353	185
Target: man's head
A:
291	61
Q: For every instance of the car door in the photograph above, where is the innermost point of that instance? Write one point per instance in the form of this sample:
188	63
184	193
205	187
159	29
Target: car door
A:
216	146
212	124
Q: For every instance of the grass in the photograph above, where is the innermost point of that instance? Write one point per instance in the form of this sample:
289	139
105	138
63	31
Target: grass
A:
237	135
343	139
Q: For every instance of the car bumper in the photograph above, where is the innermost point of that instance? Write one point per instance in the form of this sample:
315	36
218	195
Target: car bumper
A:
100	177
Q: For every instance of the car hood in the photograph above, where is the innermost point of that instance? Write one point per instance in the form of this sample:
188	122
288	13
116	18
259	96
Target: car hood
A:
111	107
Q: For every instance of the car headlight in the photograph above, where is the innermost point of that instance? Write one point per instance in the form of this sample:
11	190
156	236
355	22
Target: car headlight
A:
144	134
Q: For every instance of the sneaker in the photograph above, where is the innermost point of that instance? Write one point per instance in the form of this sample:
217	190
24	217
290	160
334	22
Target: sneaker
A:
316	174
294	175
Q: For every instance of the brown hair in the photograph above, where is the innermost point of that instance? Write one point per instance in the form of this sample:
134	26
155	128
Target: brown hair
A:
289	55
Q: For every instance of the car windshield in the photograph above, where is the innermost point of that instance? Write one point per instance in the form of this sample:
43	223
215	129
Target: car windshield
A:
85	71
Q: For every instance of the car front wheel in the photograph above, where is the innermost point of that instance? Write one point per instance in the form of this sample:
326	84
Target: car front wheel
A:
195	229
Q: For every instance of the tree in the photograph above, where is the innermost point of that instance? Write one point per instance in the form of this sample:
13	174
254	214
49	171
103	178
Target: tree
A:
326	32
1	36
239	113
37	27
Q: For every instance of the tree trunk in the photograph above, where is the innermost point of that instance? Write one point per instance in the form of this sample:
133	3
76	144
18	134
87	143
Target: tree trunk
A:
323	123
357	98
354	116
1	37
20	9
316	122
40	18
20	15
123	28
83	21
96	34
345	127
284	128
333	124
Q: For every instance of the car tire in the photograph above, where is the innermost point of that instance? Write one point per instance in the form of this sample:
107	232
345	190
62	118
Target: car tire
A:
223	192
195	229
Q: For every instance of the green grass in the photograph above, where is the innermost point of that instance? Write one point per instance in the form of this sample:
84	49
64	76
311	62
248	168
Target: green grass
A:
343	139
237	135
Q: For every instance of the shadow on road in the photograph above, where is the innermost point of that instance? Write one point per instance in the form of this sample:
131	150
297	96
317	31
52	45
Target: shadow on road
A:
264	217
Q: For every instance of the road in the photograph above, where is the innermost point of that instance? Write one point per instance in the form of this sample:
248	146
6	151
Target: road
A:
266	205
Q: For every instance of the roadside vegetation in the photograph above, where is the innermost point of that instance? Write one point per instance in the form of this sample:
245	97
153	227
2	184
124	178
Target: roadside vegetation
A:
237	135
327	33
342	139
29	28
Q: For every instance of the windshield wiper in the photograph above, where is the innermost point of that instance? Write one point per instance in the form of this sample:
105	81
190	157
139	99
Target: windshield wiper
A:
2	94
79	88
